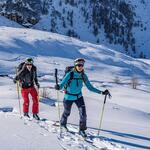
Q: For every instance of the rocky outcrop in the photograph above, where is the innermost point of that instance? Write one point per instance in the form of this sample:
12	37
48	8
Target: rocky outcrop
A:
25	12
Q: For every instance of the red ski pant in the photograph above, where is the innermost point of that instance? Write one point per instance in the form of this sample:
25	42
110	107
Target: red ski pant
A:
25	94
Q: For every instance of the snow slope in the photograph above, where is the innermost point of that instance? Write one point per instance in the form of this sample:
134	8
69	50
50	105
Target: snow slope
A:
127	115
45	44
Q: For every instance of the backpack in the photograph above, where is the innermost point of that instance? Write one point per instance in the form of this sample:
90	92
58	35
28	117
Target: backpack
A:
20	66
70	69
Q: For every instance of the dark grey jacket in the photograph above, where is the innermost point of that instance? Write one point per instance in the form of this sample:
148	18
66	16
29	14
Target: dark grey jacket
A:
27	78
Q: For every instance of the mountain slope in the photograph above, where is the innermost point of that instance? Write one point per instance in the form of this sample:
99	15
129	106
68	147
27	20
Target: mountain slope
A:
34	42
142	36
122	25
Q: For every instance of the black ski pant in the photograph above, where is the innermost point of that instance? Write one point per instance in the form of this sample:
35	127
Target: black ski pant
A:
82	112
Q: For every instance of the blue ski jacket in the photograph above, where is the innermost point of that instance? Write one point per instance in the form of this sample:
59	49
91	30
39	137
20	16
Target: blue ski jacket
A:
74	89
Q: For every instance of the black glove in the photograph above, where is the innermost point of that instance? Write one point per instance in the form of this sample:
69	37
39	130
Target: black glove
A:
38	85
15	80
57	87
106	92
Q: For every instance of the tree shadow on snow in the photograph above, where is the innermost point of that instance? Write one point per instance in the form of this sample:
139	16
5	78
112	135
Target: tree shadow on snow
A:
43	48
128	135
123	135
48	101
143	90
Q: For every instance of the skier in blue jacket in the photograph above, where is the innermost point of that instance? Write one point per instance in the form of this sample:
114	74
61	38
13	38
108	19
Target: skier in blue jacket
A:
73	93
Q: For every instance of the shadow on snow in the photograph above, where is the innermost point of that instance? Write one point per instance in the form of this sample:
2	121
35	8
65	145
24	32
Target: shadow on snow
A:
124	135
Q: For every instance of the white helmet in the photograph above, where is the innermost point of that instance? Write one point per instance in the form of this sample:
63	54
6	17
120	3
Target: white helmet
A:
79	61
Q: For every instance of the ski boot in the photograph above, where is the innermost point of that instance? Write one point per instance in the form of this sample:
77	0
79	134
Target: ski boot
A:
36	117
64	128
83	134
26	115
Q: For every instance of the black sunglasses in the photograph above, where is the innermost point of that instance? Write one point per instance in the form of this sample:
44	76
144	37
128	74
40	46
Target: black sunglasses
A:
29	64
80	65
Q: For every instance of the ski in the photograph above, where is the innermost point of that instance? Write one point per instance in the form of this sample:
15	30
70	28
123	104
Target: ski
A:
28	120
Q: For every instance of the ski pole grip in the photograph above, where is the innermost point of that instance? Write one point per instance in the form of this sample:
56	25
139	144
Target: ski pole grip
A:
56	78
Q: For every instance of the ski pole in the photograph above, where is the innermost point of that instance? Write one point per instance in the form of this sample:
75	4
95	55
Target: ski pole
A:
18	93
38	94
102	114
56	79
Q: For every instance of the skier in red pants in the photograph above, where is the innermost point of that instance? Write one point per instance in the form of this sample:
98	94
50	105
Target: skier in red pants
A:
27	77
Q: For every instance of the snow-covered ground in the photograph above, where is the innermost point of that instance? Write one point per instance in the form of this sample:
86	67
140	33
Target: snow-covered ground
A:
126	119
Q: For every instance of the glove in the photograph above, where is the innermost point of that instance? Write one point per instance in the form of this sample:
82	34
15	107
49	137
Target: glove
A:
106	92
57	87
38	85
15	81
